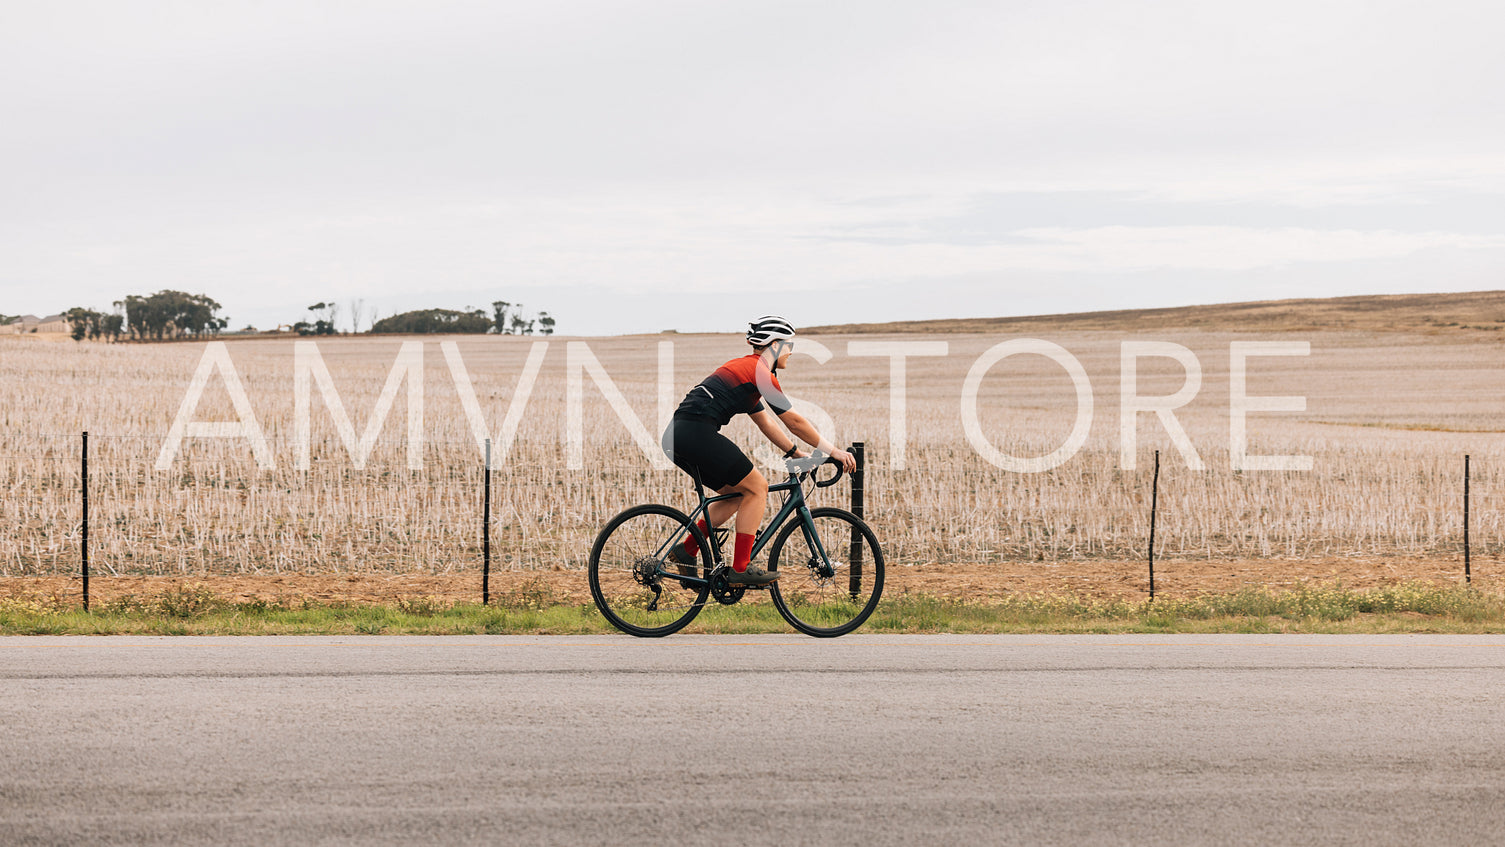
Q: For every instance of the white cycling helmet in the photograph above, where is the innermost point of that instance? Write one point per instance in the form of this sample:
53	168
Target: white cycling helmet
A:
768	329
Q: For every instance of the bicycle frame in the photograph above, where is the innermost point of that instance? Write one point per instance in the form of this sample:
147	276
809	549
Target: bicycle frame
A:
825	592
794	504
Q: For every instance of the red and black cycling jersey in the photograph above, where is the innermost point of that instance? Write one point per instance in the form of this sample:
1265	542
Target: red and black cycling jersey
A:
733	390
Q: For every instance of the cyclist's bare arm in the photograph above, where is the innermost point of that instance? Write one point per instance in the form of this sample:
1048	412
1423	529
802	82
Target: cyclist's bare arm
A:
771	430
802	430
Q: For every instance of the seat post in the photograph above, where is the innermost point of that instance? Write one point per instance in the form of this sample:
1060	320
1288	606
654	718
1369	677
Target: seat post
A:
699	486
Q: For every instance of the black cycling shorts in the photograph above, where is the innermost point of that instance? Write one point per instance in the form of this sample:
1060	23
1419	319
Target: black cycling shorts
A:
697	446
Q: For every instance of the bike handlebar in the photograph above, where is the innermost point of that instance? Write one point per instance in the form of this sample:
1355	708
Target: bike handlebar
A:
840	472
809	465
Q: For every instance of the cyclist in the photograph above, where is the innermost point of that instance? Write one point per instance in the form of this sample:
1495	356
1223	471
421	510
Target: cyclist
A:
694	441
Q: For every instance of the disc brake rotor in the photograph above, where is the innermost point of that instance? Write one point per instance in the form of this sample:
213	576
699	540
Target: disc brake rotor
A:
821	571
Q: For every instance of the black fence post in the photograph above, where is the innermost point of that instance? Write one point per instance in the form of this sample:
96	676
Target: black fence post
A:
84	543
854	573
1468	576
1154	504
859	453
486	529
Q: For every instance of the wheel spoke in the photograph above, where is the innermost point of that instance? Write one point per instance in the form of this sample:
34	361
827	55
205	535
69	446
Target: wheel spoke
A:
630	582
829	584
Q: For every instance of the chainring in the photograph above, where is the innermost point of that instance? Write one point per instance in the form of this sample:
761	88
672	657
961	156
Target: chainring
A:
725	593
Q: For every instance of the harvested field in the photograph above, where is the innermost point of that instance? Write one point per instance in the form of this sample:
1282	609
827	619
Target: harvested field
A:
1384	419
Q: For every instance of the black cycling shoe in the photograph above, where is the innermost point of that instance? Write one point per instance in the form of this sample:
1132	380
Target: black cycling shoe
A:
686	563
754	575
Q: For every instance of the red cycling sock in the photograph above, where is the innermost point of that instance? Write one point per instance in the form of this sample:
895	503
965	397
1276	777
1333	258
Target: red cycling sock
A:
744	552
691	547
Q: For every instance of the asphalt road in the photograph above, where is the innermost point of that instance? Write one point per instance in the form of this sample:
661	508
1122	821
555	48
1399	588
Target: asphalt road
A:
753	740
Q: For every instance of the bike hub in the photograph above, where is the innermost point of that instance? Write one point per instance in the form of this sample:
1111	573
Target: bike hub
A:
646	571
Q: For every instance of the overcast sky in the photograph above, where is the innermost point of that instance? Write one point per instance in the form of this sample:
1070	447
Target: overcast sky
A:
646	165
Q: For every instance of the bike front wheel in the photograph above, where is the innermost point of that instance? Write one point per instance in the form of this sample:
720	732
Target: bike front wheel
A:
636	587
829	580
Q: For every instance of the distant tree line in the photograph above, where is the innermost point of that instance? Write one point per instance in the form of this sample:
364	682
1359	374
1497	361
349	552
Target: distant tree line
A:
87	323
434	321
505	318
175	314
323	322
154	317
508	319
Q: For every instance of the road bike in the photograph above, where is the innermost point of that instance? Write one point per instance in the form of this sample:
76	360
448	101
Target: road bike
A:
829	563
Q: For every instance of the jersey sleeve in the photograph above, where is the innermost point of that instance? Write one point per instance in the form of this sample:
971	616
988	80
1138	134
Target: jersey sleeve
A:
774	394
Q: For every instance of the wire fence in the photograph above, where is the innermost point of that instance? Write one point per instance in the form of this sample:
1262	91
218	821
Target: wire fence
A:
214	512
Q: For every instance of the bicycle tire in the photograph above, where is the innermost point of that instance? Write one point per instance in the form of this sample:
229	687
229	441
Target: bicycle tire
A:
830	604
621	559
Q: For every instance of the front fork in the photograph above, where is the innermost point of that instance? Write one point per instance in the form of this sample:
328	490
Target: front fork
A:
820	563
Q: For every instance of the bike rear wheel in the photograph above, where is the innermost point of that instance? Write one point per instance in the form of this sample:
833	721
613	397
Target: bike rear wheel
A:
633	583
831	594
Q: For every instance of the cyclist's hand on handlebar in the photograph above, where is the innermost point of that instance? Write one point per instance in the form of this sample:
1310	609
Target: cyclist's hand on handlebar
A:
847	460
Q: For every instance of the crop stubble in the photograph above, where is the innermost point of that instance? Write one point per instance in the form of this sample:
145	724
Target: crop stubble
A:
1389	417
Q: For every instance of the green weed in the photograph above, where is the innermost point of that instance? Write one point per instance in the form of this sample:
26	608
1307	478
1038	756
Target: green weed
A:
534	594
423	607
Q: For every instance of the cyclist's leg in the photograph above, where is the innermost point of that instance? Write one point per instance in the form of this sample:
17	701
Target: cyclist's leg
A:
690	444
716	514
724	468
754	490
719	512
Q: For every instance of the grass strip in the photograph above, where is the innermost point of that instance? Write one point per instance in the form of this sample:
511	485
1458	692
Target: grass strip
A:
189	610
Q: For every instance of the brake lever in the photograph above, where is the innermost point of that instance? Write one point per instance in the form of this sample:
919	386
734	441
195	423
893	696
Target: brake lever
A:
799	467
